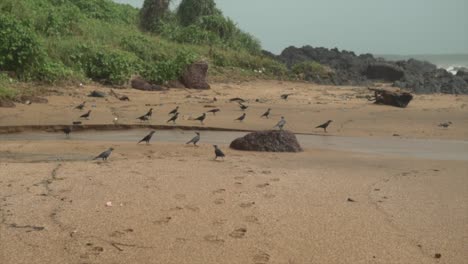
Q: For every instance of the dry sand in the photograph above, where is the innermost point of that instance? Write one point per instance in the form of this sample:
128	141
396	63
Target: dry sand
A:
173	204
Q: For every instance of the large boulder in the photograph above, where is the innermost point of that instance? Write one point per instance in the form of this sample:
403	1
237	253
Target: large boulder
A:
194	76
269	141
384	71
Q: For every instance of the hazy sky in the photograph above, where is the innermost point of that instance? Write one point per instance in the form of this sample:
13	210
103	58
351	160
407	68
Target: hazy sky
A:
375	26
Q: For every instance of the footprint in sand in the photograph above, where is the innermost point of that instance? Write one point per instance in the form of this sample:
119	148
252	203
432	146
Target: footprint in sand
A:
219	222
219	201
239	178
192	208
247	204
261	258
238	233
263	185
164	220
219	191
269	196
213	239
180	196
251	219
275	179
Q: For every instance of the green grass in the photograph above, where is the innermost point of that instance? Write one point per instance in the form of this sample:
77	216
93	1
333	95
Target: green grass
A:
71	41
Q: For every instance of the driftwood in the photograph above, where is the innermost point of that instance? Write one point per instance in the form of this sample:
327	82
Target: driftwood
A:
394	97
120	97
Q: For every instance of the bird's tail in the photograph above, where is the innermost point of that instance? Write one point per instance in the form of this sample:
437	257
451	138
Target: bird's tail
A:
96	158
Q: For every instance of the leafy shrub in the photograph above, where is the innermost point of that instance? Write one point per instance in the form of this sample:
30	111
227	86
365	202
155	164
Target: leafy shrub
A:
107	10
5	91
52	72
19	46
163	71
190	11
108	66
311	68
223	27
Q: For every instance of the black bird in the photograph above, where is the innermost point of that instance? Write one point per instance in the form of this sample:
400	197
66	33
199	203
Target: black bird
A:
81	106
201	118
147	138
218	152
241	118
195	139
104	155
143	118
446	124
214	111
281	123
325	125
173	118
285	96
174	111
266	114
86	115
150	113
243	107
67	131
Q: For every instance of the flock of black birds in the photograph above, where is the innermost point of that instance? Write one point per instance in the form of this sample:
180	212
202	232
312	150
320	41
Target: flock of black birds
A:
175	115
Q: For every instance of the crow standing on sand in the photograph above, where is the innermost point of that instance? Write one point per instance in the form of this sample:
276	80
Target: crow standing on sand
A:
325	125
150	113
285	96
241	118
195	139
174	111
201	118
67	131
281	123
266	114
214	111
104	155
143	118
86	115
243	107
218	152
81	106
445	125
173	118
147	138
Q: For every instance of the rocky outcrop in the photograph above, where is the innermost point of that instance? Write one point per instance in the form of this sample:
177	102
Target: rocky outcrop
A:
195	75
351	69
142	84
384	71
269	141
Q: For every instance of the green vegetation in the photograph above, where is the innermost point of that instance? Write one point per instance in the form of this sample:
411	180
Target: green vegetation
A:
311	68
71	41
5	91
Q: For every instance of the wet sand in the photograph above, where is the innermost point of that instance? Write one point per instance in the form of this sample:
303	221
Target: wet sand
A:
309	106
171	203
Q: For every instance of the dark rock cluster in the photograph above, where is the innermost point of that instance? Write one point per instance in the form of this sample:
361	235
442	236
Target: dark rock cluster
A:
351	69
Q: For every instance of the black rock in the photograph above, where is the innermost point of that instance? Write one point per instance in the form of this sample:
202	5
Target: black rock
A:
269	141
97	94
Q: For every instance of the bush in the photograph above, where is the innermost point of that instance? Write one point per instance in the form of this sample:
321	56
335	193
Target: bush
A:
163	71
107	10
190	11
52	72
5	91
19	46
107	65
222	27
311	68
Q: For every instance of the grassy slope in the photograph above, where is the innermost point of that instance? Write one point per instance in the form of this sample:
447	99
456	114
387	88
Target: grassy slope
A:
100	40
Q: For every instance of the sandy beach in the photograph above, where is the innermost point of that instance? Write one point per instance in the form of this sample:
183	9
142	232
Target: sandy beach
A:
171	203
